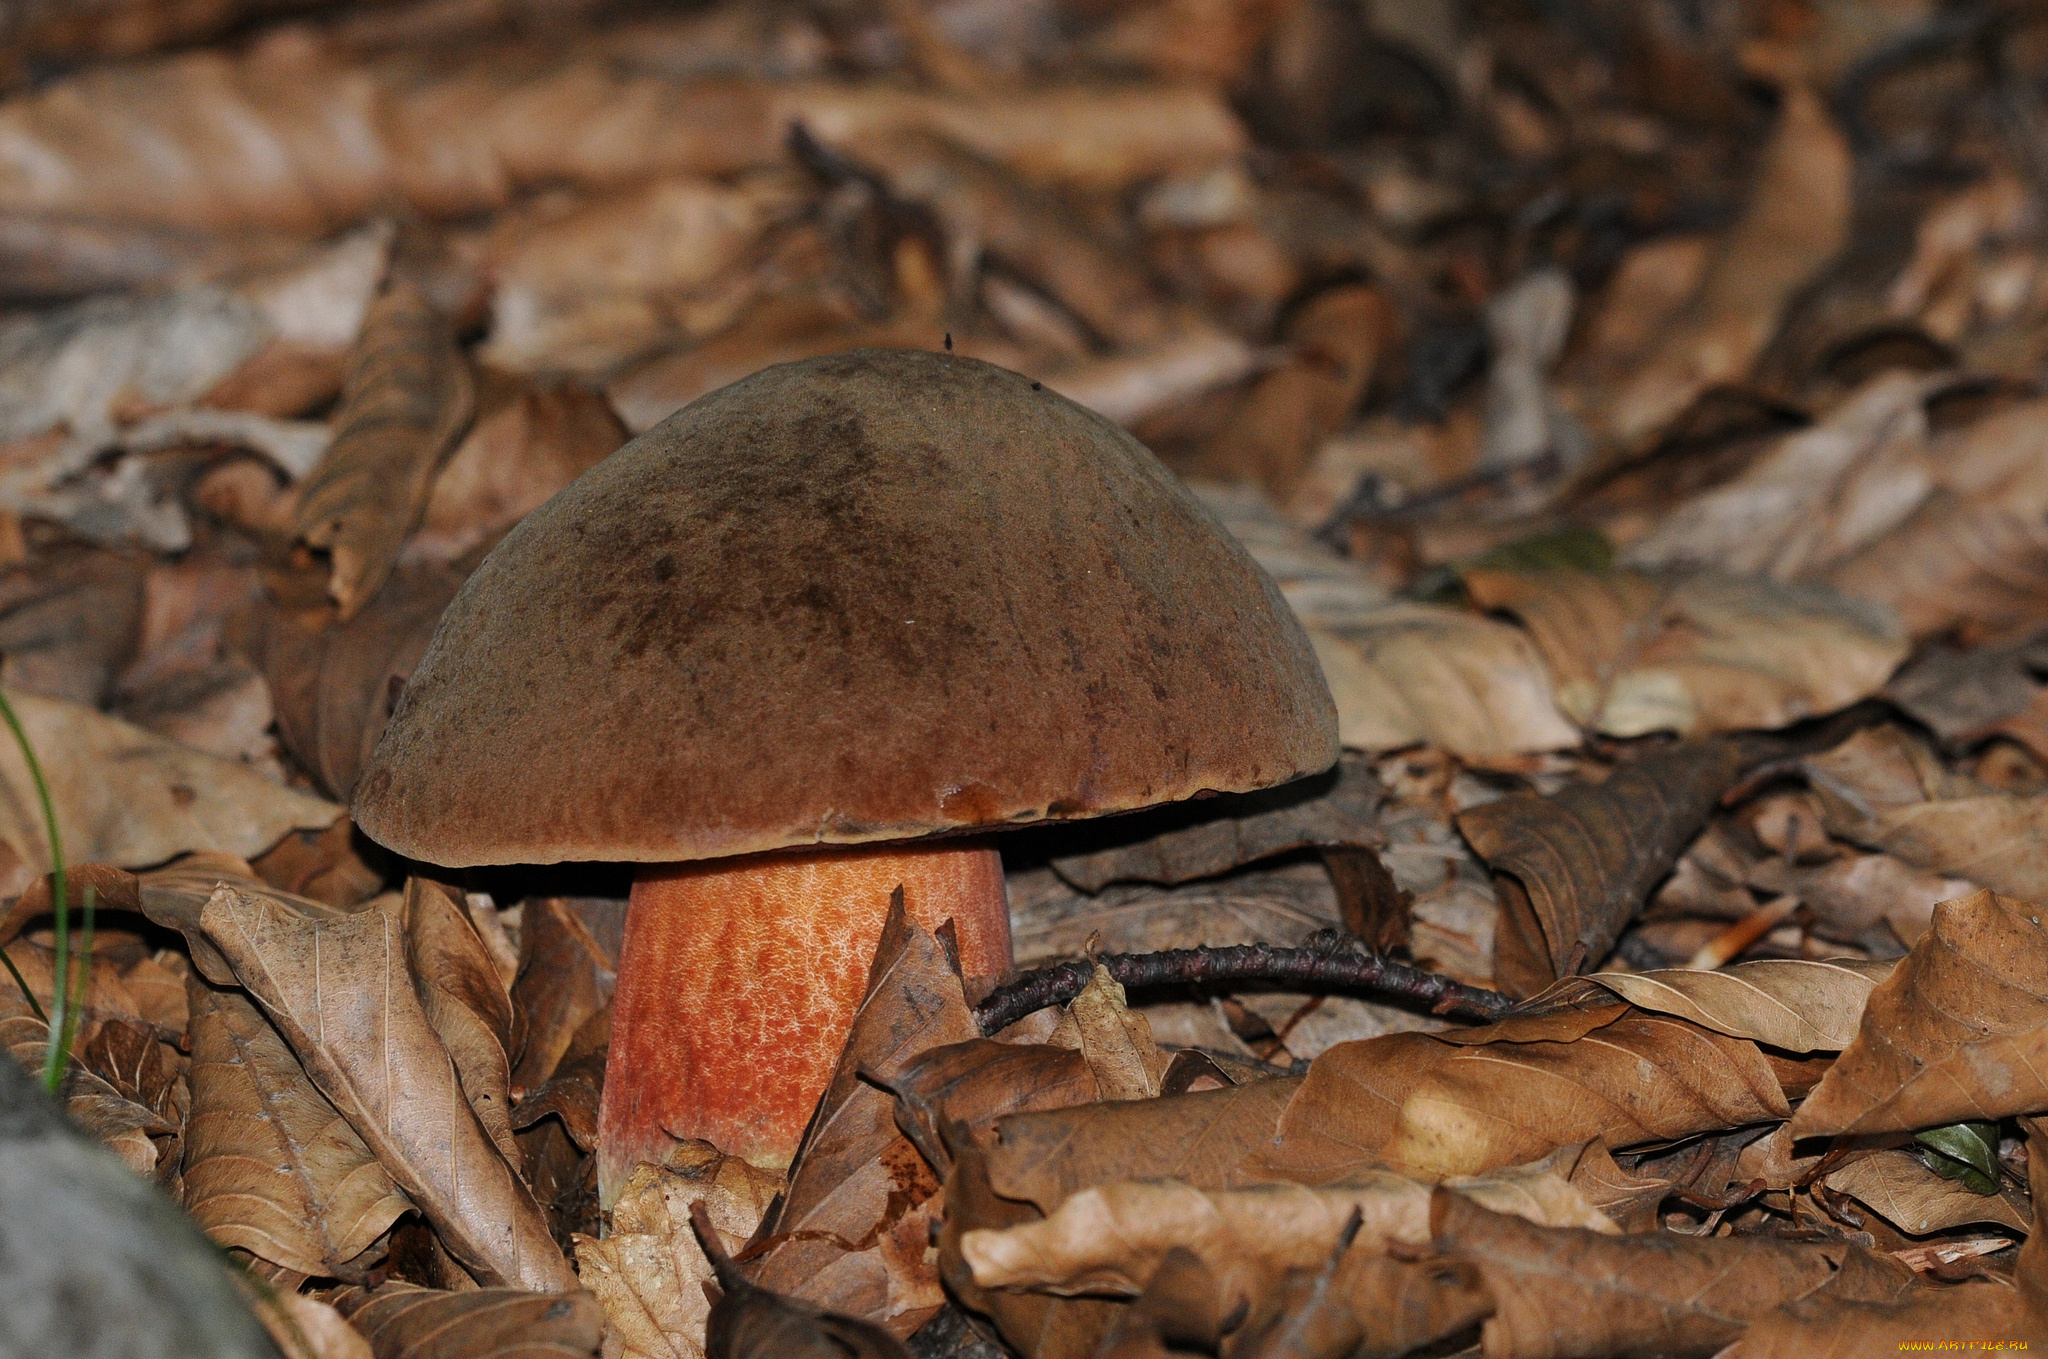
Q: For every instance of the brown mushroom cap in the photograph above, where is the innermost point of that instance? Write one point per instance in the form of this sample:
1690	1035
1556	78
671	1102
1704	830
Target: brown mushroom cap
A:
867	597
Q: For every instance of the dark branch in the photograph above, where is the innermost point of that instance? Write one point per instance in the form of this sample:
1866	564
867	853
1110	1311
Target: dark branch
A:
1299	969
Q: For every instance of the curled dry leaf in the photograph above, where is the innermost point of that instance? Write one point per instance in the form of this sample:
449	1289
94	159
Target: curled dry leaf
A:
340	992
1560	1290
1422	673
1465	1102
1974	553
1367	1306
1887	790
270	1166
128	1129
1898	1185
1114	1237
333	686
408	398
1796	222
1632	653
1958	1031
320	141
1115	1041
126	796
1817	496
1336	340
564	982
1784	1003
465	1002
1573	869
649	1271
404	1322
852	1232
750	1322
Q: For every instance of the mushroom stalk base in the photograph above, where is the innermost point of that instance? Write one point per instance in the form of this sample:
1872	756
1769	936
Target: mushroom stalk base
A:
738	982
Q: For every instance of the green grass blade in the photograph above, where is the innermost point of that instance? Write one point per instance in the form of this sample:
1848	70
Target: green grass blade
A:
57	1055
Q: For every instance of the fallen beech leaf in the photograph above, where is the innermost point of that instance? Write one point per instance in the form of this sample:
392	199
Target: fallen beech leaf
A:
581	289
1958	1031
323	865
1200	1138
1470	1101
323	142
1035	1324
126	1128
968	1086
1368	1306
1283	416
1412	673
1796	221
749	1322
125	796
1857	893
1116	1042
649	1271
517	454
1573	869
404	1322
1562	1291
991	213
338	990
1780	1002
304	1327
409	397
565	979
465	1003
333	686
1632	654
1626	1198
1973	554
70	620
1129	387
270	1167
557	1130
1114	1237
852	1232
1886	790
1966	696
1820	494
1898	1185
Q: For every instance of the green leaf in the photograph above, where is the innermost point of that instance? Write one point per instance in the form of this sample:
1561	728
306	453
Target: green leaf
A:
1963	1151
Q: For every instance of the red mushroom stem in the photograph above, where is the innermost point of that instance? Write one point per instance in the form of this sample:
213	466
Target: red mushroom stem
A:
738	982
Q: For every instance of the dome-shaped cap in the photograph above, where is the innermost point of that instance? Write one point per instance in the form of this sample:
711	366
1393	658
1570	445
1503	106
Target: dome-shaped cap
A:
866	597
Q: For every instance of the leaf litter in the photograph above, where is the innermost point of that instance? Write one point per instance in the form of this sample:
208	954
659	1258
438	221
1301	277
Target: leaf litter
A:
1640	417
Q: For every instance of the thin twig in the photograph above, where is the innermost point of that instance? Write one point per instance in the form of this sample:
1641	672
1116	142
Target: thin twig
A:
1301	969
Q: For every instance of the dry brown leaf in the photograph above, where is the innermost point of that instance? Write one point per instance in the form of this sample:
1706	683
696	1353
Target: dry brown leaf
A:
1283	416
339	991
1897	1185
1115	1041
565	980
1958	1031
333	687
1561	1291
1407	673
270	1167
1112	1238
137	1133
1201	1138
1784	1003
1796	221
967	1086
1575	868
465	1002
1367	1306
852	1233
304	1327
70	619
521	450
126	796
1965	696
408	398
1857	893
404	1322
1466	1102
1632	654
582	288
1886	790
649	1271
1816	497
320	142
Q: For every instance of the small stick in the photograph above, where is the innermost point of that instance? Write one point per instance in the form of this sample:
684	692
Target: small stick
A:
1306	969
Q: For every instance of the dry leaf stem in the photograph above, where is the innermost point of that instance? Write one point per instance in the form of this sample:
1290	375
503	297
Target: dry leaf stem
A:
1295	968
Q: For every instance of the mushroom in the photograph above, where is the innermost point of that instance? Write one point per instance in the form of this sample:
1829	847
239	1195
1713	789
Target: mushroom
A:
816	636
